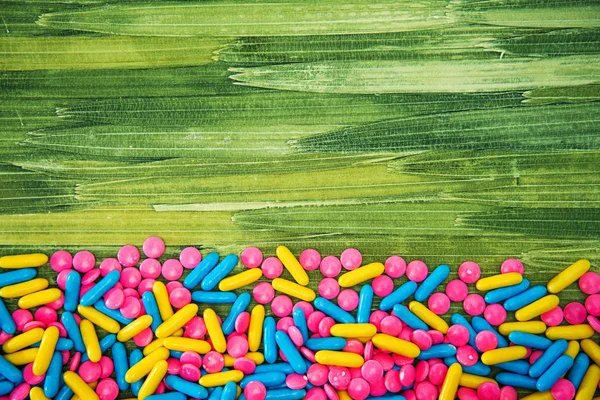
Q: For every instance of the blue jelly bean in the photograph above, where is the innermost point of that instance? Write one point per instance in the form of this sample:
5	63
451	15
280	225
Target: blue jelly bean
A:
365	303
218	273
286	368
197	274
269	343
517	366
553	374
96	292
151	308
105	343
501	294
431	283
17	276
478	368
6	322
550	355
175	354
437	351
290	352
398	296
527	297
409	318
188	388
6	387
72	290
70	324
229	391
334	311
135	357
458	319
169	396
52	381
10	372
63	344
238	307
114	314
216	393
578	370
65	393
285	394
119	356
214	297
269	379
388	397
529	340
480	325
516	380
300	323
328	343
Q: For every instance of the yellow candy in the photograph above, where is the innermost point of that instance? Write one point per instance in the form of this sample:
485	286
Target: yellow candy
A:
177	321
22	357
498	281
23	288
395	345
186	344
134	327
361	274
45	351
240	280
570	332
533	327
39	298
450	385
568	276
592	349
97	318
537	308
79	387
155	344
343	395
257	319
539	396
588	385
144	366
37	393
339	358
257	357
572	349
473	381
23	340
90	340
162	300
157	373
353	330
428	316
293	289
23	261
214	330
292	265
221	378
505	354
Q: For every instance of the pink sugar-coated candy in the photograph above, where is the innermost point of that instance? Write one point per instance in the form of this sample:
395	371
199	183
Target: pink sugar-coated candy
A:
4	337
467	356
422	339
436	336
553	317
128	255
316	393
563	390
439	303
308	354
255	390
189	372
592	305
106	366
153	247
313	320
172	269
488	391
131	307
251	257
409	394
30	377
376	317
305	306
173	366
130	292
589	283
20	392
457	290
395	266
61	278
190	257
485	341
464	393
213	362
386	360
426	391
359	389
377	389
330	392
330	267
61	260
391	381
272	268
90	276
84	261
263	293
512	265
575	313
284	323
310	259
295	335
406	333
46	314
109	264
150	268
189	357
57	304
437	373
355	373
84	289
237	346
75	361
246	365
32	325
421	371
369	350
594	322
383	285
495	314
107	389
329	288
114	298
180	297
458	335
160	389
173	285
144	338
282	306
407	375
474	304
325	326
317	374
535	355
195	328
351	259
434	361
508	393
145	285
469	272
242	322
348	300
416	271
130	277
371	371
90	371
354	346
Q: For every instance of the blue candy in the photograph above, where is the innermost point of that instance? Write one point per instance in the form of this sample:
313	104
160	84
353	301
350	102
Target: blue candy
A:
517	366
279	367
409	318
151	307
6	387
480	324
197	274
52	381
328	343
516	380
238	307
398	296
438	351
529	340
216	393
135	357
290	352
114	314
62	344
99	289
17	276
269	379
269	343
553	374
365	302
6	322
10	372
334	311
501	294
285	394
431	283
525	298
188	388
578	370
65	393
119	355
70	324
218	273
229	391
551	354
72	289
300	323
169	396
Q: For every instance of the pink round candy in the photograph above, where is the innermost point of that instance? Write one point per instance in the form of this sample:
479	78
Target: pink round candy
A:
90	277
422	339
30	377
377	389
457	290
421	371
575	313
308	354
255	390
150	268
237	346
295	335
153	247
474	304
407	375
512	265
376	317
386	360
46	314
354	346
75	361
84	261
242	322
190	257
61	260
553	317
426	391
251	257
109	264
402	360
329	288
282	306
305	306
310	259
592	305
128	255
371	371
180	297
437	373
383	285
409	394
508	393
189	372
416	271
144	338
359	389
131	307
4	337
594	322
406	333
272	268
172	269
317	374
107	389
395	266
173	366
391	381
20	392
439	303
488	391
213	362
130	277
330	267
535	355
436	336
467	356
107	367
368	353
495	314
563	390
195	328
189	357
57	304
313	320
469	272
246	365
61	278
348	300
316	393
33	324
263	292
458	335
351	259
464	393
90	371
330	392
296	381
485	341
173	285
21	317
589	283
145	285
325	326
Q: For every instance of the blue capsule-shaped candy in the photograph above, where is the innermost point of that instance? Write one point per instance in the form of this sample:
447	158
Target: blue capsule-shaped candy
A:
151	308
10	372
285	368
188	388
175	354
63	344
218	273
216	393
458	319
269	343
238	307
529	340
105	343
553	374
365	303
409	318
398	296
6	322
438	351
300	322
516	380
431	283
517	366
135	357
550	355
6	387
501	294
65	393
527	297
119	355
214	297
478	368
114	314
99	289
229	391
52	381
480	324
197	274
269	379
578	370
333	310
17	276
328	343
72	290
290	352
70	324
169	396
285	394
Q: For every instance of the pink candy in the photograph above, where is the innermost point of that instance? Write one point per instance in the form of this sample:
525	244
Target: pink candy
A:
383	285
255	390
110	264
329	288
90	371
589	283
213	362
458	335
439	303
351	259
485	341
488	391
272	268
563	390
150	268
107	389
190	257
172	269
422	339
282	306
348	300
251	257
263	293
495	314
437	373
237	346
61	260
153	247
84	261
330	267
467	356
310	259
553	317
512	265
317	374
457	290
180	297
416	271
130	277
575	313
395	266
246	365
128	256
469	272
131	307
592	305
474	304
371	371
359	389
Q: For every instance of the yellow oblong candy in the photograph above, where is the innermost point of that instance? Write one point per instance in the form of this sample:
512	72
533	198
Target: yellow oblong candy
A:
45	351
23	261
498	281
257	320
539	396
162	300
505	354
428	316
22	357
79	387
568	276
156	375
293	289
395	345
290	263
588	385
177	321
23	340
23	288
242	279
37	393
339	358
214	330
353	330
144	366
134	327
343	395
99	319
186	344
155	344
473	381
592	349
451	381
221	378
534	327
537	308
39	298
572	349
570	332
361	274
90	340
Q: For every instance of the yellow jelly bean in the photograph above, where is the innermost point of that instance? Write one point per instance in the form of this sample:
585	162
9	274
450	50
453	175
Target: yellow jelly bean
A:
473	381
39	298
45	351
428	316
353	330
343	395
97	318
396	346
134	327
155	344
23	288
290	263
257	319
505	354
339	358
23	261
537	308
187	344
450	385
533	327
570	332
572	349
37	393
23	340
22	357
177	321
293	289
90	340
361	274
592	349
214	330
498	281
79	387
162	300
568	276
588	385
156	375
539	396
144	366
221	378
240	280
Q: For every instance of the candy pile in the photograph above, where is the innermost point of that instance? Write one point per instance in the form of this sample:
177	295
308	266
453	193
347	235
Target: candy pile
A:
388	339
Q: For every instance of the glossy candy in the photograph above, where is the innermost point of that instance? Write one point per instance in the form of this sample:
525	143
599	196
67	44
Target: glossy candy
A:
431	283
501	294
525	298
293	266
398	296
361	274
